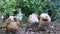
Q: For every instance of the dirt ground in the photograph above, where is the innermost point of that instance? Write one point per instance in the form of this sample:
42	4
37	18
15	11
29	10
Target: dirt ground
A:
56	25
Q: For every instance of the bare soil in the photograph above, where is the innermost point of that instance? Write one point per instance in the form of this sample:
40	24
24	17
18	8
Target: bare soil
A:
21	30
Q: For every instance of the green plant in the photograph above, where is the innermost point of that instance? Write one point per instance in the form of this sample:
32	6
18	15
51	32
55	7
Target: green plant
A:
7	6
27	6
38	6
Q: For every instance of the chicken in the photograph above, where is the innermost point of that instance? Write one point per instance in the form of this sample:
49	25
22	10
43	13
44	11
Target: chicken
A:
33	22
33	19
45	20
11	24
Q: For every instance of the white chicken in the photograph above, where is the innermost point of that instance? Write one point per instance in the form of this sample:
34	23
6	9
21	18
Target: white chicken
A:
33	18
45	20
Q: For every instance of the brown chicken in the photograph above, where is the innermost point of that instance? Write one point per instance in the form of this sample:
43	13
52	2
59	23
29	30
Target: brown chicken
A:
11	24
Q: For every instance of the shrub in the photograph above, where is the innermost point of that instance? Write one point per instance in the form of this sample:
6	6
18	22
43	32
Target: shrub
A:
27	6
38	6
7	6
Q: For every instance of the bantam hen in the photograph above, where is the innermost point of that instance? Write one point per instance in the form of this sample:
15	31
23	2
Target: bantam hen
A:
33	19
45	20
11	24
